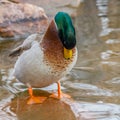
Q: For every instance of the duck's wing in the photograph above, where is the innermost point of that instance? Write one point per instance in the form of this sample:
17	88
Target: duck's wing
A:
24	46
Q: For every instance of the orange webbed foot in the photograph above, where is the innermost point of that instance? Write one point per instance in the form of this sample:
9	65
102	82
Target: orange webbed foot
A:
36	100
59	94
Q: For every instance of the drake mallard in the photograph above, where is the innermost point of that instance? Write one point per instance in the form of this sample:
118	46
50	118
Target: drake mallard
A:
46	62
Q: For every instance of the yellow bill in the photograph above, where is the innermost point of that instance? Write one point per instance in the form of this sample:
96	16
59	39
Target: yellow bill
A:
67	53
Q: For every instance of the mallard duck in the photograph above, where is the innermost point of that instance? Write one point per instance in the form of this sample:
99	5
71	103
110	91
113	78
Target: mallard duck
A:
46	62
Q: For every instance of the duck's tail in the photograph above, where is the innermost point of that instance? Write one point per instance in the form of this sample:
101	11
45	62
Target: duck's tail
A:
25	46
16	52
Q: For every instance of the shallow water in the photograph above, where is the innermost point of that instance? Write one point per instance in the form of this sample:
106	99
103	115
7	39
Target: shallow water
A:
93	83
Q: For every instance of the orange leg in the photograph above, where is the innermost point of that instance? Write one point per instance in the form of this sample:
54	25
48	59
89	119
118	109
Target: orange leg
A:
33	99
60	94
59	89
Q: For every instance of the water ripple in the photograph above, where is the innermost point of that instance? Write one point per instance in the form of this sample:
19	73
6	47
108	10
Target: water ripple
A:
97	111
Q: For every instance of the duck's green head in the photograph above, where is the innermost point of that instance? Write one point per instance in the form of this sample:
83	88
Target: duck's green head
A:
66	32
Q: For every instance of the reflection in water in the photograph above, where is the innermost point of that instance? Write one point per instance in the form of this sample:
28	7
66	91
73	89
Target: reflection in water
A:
94	83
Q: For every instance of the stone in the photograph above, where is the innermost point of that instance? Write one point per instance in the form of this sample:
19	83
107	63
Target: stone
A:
18	20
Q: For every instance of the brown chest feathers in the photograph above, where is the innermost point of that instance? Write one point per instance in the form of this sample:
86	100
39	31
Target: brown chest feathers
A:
53	49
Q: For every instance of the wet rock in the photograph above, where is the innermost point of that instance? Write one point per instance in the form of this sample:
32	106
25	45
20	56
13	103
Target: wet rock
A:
51	109
63	109
15	1
22	20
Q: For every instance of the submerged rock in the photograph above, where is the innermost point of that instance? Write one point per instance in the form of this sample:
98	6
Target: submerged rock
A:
18	20
51	109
